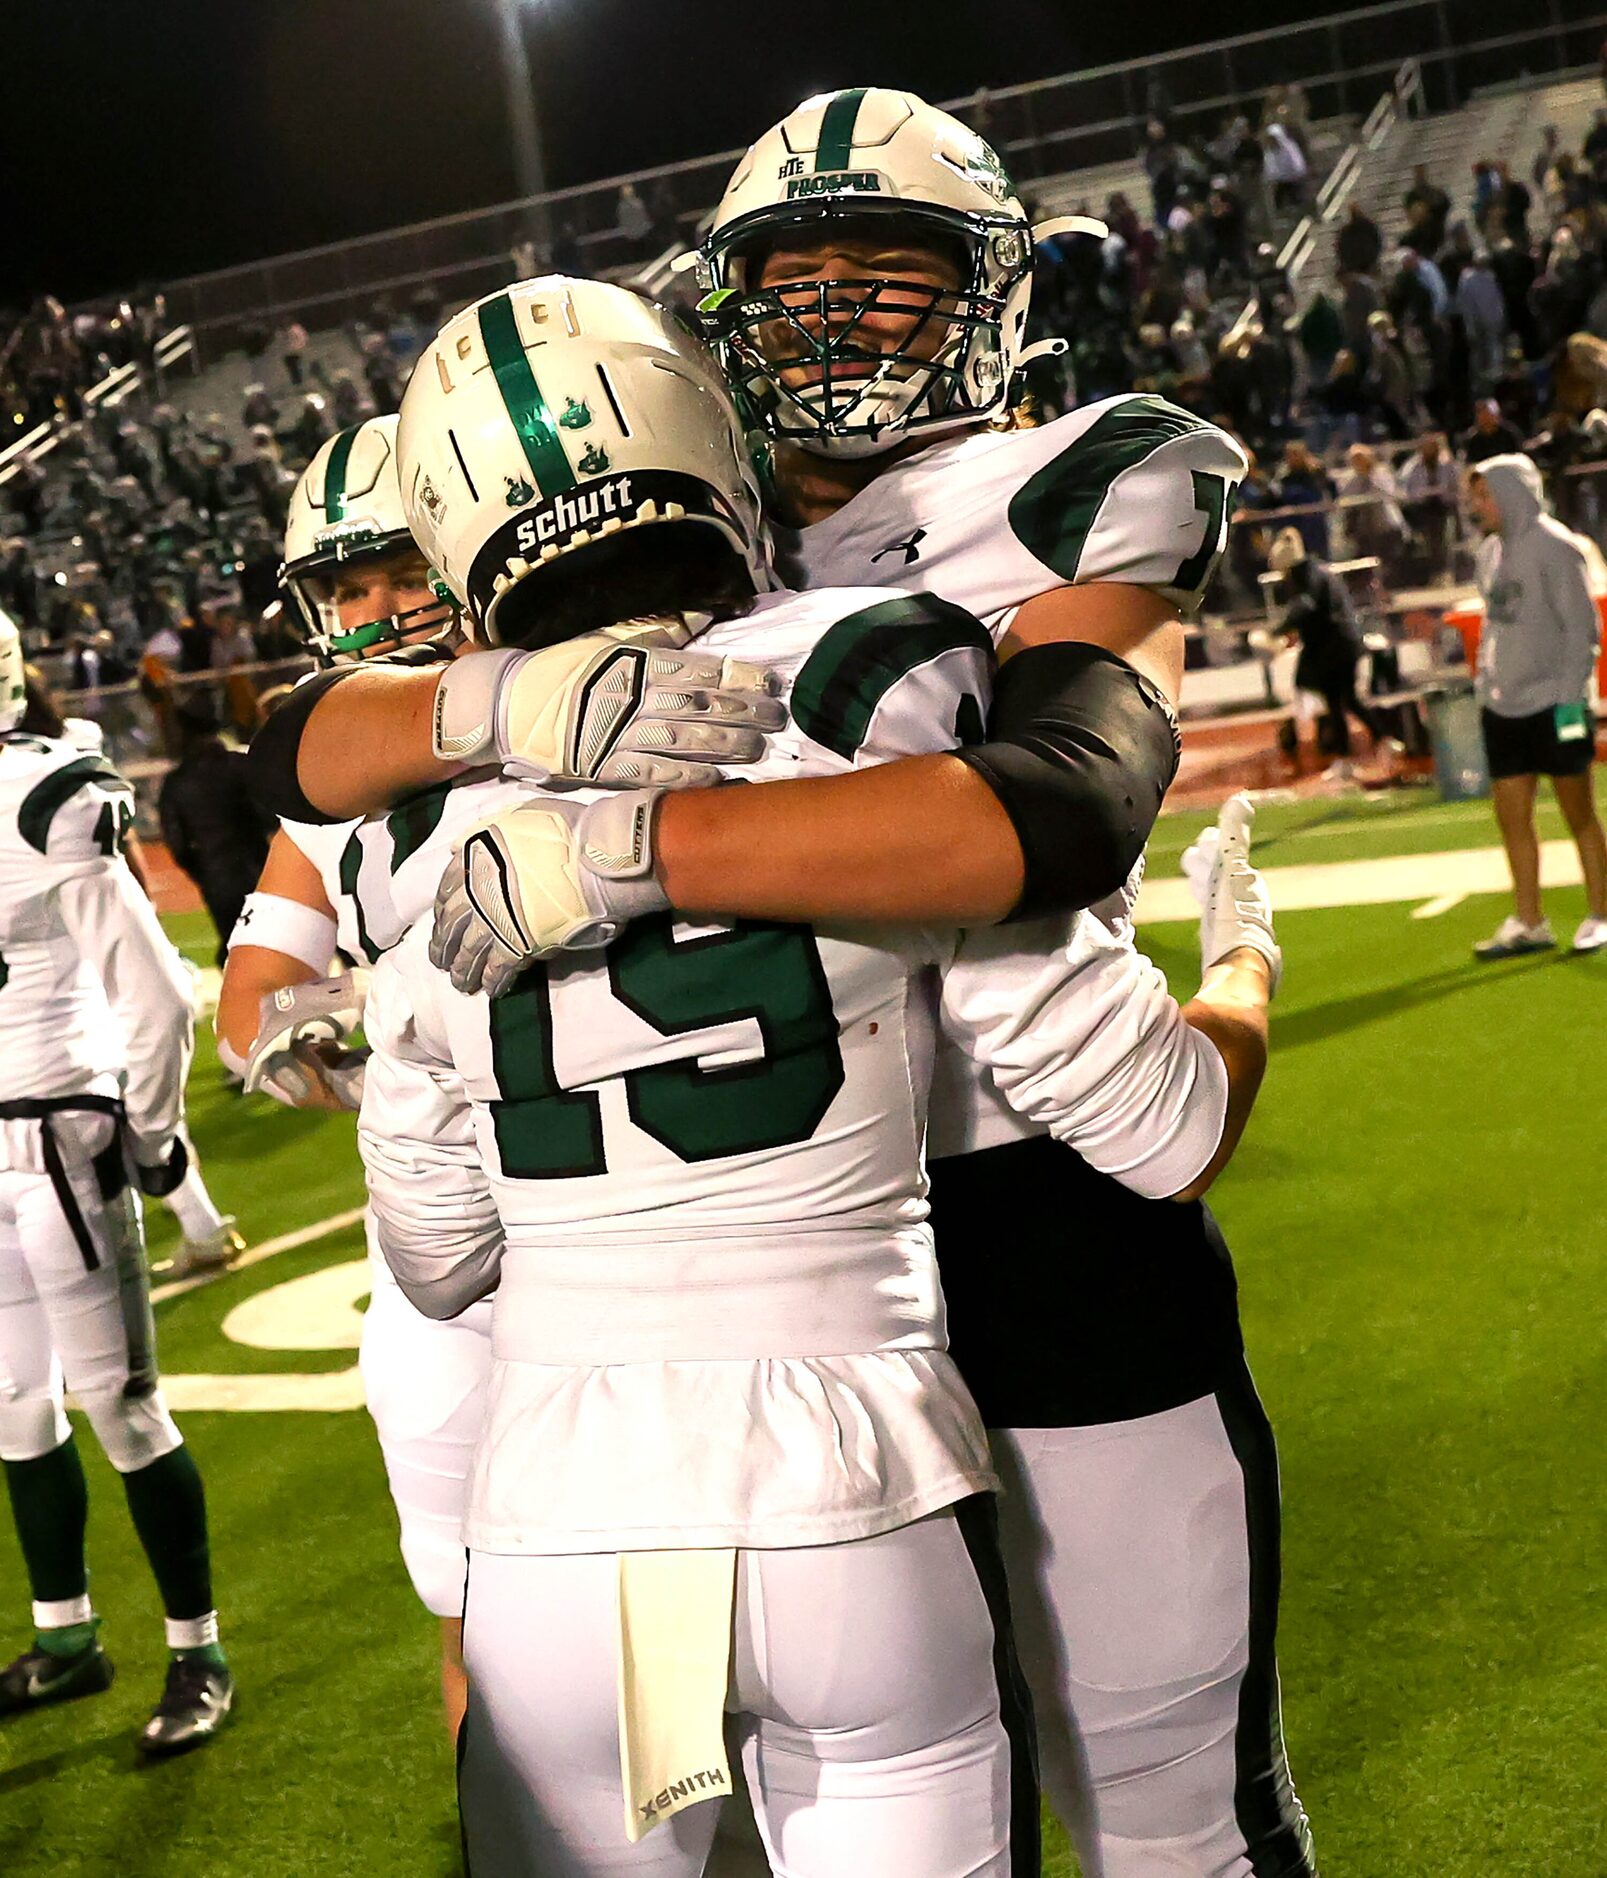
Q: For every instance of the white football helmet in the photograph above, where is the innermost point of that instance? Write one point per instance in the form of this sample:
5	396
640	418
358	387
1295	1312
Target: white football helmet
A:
346	507
851	156
564	415
13	677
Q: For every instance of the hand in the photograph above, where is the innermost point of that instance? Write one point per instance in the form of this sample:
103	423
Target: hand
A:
297	1056
605	709
543	877
1235	907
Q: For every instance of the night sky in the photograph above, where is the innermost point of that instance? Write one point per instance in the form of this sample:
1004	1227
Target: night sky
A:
146	139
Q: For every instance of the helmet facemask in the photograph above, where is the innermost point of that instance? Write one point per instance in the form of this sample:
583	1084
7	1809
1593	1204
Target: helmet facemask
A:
807	363
313	586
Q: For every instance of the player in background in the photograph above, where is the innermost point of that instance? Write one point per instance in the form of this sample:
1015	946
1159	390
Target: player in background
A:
1141	1517
358	588
869	269
98	1019
210	1240
624	1111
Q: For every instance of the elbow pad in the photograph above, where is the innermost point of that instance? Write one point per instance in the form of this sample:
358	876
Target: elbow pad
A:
271	761
1082	749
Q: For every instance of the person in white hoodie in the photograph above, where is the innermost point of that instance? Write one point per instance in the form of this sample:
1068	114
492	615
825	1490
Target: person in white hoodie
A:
1536	661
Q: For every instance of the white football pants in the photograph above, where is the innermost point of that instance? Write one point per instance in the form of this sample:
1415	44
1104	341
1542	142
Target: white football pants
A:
426	1383
75	1302
865	1701
1143	1566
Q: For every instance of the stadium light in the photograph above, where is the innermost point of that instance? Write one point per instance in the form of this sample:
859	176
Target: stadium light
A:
530	171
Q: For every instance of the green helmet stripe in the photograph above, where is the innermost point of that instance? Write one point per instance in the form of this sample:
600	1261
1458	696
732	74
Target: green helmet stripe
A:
836	146
544	452
335	475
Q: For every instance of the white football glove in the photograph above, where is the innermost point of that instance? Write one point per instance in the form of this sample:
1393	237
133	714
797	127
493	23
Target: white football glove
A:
1235	907
298	1057
543	877
605	709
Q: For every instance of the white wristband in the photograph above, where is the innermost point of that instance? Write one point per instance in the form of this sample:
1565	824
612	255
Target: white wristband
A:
283	925
463	725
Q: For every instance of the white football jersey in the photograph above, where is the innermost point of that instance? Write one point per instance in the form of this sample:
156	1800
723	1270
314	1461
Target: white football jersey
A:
1129	489
694	1161
93	997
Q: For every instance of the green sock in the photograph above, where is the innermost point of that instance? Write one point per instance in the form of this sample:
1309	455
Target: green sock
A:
69	1639
50	1505
168	1504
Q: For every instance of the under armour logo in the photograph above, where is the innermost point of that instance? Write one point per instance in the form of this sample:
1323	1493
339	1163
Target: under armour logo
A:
911	547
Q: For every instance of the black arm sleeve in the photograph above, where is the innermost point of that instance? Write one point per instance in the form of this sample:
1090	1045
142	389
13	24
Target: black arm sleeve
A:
274	757
271	761
1081	751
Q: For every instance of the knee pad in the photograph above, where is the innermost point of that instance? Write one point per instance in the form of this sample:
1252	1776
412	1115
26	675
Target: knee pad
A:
32	1426
133	1430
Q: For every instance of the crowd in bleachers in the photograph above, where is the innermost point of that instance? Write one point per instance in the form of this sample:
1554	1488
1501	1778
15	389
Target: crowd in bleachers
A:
149	536
1484	328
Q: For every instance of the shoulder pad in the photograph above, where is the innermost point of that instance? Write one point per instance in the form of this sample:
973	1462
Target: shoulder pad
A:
79	808
1142	495
861	658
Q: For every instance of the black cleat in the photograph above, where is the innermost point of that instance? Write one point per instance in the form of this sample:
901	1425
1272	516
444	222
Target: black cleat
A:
37	1678
197	1698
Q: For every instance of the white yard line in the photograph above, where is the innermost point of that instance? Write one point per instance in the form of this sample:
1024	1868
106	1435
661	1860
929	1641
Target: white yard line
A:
254	1255
1415	877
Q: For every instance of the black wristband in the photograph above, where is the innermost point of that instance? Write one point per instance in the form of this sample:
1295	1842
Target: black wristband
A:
1080	753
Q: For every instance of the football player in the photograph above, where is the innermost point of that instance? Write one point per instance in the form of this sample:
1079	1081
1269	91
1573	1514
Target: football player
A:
719	1386
869	272
357	588
99	1026
210	1241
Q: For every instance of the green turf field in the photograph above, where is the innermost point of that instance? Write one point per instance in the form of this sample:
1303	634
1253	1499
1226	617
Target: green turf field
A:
1417	1218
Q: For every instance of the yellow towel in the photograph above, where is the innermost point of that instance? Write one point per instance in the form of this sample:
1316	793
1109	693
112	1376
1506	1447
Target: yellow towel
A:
674	1668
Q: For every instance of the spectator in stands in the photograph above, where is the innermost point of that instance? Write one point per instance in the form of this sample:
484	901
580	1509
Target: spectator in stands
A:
1165	168
1305	485
293	343
1392	380
631	219
1546	157
1515	268
1318	613
1228	228
1248	544
1537	658
209	817
1358	244
1428	209
1486	188
1491	434
1370	511
1321	333
1483	309
1361	298
1559	448
258	408
1511	205
1284	167
1430	492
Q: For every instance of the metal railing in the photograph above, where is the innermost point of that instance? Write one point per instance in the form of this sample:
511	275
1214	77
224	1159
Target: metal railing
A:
118	384
1049	127
1405	97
